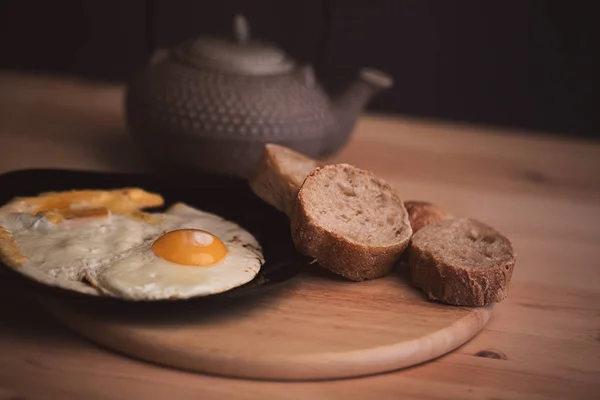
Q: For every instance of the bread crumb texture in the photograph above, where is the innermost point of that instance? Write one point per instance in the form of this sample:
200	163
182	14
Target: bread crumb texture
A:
351	221
462	261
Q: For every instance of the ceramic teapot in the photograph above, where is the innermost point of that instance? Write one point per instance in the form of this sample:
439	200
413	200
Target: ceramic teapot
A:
210	104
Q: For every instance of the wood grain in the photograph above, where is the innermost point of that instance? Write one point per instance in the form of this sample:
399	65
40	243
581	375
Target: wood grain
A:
541	191
323	328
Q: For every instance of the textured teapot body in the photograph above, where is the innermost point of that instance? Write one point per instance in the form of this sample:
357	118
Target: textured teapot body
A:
219	122
210	105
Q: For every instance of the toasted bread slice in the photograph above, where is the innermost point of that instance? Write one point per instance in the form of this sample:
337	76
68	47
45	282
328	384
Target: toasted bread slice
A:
279	175
462	262
422	213
352	222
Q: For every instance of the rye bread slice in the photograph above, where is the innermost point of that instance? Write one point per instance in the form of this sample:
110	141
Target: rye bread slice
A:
279	175
462	262
350	221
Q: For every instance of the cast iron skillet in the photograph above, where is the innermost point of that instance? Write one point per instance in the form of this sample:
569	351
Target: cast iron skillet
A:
228	197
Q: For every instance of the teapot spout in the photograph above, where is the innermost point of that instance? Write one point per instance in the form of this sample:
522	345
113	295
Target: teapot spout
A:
348	105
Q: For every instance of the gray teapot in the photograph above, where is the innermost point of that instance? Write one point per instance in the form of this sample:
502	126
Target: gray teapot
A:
210	104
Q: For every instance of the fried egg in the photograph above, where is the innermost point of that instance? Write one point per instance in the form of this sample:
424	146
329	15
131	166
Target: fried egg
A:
181	253
200	254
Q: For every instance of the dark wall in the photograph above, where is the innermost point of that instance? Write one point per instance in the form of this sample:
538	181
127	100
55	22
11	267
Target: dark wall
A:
530	64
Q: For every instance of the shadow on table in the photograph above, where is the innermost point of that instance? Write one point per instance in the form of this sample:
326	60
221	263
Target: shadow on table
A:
24	319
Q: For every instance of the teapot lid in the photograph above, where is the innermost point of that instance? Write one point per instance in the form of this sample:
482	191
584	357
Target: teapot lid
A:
240	55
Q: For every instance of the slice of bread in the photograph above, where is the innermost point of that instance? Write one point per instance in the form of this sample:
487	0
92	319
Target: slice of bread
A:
279	175
462	262
352	222
422	213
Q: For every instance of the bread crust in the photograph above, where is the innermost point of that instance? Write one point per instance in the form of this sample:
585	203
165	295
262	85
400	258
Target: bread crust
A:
454	284
339	254
276	186
423	213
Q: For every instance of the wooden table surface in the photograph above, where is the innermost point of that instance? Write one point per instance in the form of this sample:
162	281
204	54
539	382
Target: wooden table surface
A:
541	191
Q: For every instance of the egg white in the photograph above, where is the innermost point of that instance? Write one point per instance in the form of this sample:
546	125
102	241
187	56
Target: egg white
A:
62	254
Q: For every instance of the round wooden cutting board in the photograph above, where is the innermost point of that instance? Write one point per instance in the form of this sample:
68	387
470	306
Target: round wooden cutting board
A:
316	327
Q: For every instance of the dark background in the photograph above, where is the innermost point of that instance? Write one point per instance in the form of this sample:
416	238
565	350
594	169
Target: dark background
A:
527	64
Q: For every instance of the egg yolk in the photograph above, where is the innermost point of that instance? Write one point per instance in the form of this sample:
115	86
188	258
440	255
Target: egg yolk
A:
193	247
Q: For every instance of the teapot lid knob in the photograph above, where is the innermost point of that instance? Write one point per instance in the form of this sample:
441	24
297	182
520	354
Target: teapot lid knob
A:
238	54
241	29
